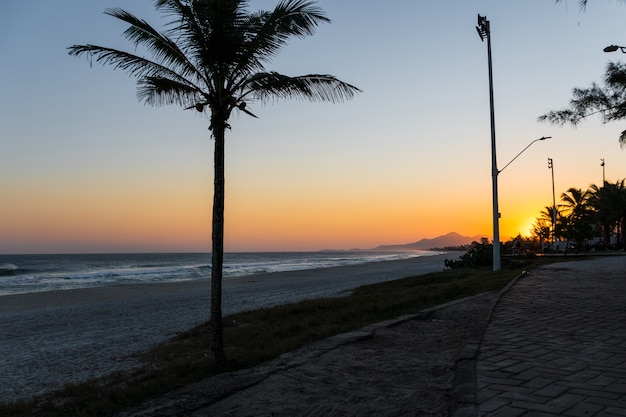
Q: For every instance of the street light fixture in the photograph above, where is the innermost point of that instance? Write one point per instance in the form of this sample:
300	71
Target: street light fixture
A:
549	166
528	146
484	32
603	177
613	48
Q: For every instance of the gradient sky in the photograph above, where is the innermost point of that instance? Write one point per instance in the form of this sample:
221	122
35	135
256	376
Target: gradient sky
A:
85	167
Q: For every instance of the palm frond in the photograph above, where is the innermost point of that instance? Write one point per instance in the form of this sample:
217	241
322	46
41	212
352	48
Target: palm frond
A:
297	18
134	65
290	18
162	48
158	91
313	87
188	31
267	32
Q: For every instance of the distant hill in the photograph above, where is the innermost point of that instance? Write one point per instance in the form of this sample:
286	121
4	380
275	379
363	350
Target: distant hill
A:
451	239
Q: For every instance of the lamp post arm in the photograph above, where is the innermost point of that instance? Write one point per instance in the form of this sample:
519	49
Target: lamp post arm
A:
523	150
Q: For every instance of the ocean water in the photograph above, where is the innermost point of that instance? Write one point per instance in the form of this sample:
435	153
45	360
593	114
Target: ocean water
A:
35	273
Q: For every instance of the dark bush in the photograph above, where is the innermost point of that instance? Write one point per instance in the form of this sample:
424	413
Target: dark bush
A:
480	254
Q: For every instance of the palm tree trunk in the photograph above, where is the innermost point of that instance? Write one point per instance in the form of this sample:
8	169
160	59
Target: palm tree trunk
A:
217	337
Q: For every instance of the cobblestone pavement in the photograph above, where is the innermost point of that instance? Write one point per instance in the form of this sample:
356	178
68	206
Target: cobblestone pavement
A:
556	344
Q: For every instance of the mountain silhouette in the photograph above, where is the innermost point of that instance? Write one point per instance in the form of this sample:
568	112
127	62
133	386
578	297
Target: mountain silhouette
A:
451	239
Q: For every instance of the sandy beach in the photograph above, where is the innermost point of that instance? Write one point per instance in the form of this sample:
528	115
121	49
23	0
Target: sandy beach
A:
53	338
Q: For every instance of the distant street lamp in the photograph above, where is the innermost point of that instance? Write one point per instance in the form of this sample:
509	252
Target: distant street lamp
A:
613	48
551	167
484	32
603	177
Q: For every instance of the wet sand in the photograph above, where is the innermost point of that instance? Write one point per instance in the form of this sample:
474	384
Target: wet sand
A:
53	338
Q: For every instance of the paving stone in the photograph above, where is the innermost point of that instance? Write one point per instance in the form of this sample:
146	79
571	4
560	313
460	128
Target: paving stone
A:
617	388
510	412
535	406
517	396
529	374
602	381
615	404
615	411
595	393
568	400
486	394
539	382
493	404
584	410
553	390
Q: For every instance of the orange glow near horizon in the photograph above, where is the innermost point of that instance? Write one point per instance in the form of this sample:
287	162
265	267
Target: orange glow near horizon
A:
109	217
183	224
175	220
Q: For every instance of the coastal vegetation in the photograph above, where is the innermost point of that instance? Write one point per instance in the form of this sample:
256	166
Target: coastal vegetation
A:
212	58
254	337
591	219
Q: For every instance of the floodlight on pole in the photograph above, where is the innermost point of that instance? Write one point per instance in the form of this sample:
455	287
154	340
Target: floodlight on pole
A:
484	32
551	168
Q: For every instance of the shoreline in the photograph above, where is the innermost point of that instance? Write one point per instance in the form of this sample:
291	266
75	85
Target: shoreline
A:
68	336
43	273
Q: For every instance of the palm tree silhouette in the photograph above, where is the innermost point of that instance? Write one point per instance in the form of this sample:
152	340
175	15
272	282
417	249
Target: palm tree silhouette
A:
608	202
576	201
578	212
212	58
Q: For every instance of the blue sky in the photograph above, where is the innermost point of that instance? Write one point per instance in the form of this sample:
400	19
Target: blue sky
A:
85	167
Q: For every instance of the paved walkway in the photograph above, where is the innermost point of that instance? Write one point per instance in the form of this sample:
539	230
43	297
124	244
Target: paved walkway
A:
556	344
553	345
402	367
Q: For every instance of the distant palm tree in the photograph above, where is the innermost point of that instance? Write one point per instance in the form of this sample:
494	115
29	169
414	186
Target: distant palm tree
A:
576	202
608	202
541	228
212	58
554	216
578	215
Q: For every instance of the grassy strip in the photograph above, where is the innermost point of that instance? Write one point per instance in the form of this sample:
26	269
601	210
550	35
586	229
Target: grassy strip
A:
256	336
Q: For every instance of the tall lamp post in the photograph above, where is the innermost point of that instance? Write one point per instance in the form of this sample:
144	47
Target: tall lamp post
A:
551	167
485	33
